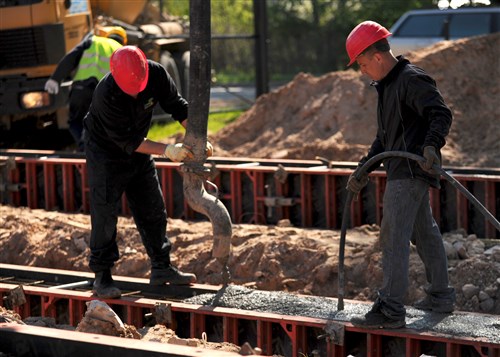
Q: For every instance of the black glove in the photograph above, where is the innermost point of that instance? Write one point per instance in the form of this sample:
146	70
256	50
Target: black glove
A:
431	159
354	185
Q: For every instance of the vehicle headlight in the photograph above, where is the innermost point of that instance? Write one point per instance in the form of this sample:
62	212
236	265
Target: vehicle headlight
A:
33	100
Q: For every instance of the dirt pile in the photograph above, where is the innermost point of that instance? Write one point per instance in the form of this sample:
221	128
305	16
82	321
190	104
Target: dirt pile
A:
334	116
272	258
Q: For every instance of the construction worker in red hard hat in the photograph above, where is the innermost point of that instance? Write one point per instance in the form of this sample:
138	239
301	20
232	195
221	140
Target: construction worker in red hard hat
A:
119	162
86	64
412	116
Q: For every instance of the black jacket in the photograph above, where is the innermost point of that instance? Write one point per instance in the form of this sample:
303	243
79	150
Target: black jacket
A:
116	123
411	114
71	60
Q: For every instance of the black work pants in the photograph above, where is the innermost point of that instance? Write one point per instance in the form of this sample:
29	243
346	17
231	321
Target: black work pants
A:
138	179
80	98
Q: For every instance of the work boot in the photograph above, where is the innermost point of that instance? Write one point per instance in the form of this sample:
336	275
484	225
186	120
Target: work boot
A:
428	304
104	286
376	319
171	275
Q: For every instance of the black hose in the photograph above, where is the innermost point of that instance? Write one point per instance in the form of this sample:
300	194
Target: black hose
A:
362	169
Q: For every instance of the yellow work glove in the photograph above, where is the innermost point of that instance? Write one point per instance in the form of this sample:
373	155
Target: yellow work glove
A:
354	185
431	158
177	152
209	149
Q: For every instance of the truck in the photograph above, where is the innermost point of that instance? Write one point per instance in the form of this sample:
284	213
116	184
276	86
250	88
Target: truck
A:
36	34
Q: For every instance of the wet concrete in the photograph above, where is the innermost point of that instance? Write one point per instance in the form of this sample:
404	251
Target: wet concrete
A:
458	324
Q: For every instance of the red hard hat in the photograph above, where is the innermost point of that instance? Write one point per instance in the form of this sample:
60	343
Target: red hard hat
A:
363	36
129	67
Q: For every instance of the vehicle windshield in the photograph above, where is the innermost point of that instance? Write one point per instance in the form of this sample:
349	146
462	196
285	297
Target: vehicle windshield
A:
9	3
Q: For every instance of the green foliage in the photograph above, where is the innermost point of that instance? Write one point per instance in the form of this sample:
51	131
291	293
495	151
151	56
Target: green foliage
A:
216	121
304	35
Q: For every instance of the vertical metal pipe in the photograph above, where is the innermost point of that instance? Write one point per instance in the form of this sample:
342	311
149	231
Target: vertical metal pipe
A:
196	134
261	41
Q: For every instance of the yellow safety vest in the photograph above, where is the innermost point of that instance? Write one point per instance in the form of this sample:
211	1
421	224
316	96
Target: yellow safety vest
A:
95	59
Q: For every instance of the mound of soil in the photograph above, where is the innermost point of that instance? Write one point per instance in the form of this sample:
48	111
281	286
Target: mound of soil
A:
334	116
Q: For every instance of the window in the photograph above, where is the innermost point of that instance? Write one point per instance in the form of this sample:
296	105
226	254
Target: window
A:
464	25
422	26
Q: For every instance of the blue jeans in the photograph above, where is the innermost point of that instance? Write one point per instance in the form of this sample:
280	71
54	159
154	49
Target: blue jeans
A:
407	216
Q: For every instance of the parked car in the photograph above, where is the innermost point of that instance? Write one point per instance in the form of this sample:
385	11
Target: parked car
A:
421	28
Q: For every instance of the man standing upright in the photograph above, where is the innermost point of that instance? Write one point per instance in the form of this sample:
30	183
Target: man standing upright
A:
413	117
88	62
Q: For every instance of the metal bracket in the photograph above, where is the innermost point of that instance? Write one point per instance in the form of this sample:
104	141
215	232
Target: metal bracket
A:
163	313
335	333
280	174
278	201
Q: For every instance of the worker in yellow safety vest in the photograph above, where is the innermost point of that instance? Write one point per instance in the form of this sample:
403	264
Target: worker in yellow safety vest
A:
86	64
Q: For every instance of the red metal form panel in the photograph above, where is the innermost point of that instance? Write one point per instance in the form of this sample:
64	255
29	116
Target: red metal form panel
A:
48	306
294	326
357	209
260	209
331	201
236	196
490	204
31	185
15	196
265	336
413	347
198	325
49	186
134	315
333	350
306	200
453	350
23	339
230	326
68	188
373	345
76	311
462	209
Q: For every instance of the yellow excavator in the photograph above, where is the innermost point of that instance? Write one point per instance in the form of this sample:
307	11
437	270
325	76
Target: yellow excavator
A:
36	34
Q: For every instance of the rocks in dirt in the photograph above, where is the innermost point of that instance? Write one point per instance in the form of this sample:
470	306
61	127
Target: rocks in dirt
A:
163	334
100	318
474	271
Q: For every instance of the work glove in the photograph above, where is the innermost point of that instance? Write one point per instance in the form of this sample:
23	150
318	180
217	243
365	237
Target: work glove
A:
354	185
52	86
431	158
209	149
177	152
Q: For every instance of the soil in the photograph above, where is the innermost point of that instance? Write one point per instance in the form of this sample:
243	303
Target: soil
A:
265	257
331	116
334	116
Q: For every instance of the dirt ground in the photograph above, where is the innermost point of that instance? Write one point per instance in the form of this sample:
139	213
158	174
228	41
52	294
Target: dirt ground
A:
274	258
308	117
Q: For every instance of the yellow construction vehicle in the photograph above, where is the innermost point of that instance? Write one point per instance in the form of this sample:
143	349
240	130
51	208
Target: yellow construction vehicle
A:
36	34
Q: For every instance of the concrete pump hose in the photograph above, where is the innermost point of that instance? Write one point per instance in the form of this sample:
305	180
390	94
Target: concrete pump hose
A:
350	195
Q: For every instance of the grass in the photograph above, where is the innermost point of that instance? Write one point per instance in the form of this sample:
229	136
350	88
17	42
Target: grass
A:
216	121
